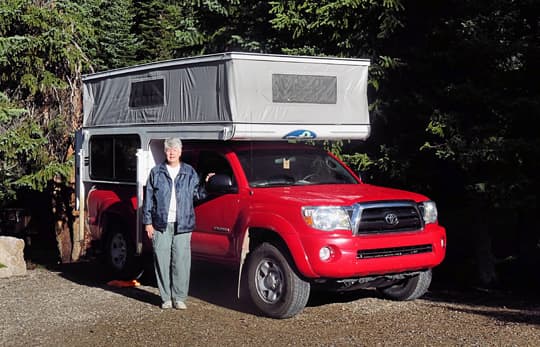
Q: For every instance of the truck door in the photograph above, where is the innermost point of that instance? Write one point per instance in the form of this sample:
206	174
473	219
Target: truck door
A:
216	216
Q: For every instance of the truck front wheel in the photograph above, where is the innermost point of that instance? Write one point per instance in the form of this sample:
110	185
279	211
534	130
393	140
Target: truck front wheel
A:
409	289
274	287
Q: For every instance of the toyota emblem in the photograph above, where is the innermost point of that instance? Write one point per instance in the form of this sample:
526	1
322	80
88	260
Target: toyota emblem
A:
391	219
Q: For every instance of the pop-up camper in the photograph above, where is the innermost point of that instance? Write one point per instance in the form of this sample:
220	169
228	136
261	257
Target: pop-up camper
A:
235	96
288	215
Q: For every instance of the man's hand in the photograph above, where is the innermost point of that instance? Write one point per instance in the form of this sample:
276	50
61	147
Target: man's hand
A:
149	231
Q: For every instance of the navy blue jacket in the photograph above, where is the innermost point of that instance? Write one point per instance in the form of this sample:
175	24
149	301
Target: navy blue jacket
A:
158	196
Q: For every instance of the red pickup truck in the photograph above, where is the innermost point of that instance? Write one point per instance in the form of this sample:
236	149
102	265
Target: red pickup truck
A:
288	216
291	217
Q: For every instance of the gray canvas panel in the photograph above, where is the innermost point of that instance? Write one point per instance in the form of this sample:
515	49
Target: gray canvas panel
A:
195	93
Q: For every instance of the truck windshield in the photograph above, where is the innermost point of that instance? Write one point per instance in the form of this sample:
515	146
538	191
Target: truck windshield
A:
278	167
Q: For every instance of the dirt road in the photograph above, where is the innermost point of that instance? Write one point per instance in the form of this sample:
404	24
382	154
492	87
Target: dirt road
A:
73	306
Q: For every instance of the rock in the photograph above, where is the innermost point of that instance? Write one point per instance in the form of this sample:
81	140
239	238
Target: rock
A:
12	257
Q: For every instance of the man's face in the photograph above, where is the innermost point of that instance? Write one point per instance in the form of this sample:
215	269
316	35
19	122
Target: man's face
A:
173	155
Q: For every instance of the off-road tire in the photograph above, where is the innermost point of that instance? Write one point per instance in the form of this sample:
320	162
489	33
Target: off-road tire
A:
409	289
274	287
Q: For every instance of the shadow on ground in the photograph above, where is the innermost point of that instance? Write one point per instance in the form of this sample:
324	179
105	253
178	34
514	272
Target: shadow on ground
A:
217	285
210	283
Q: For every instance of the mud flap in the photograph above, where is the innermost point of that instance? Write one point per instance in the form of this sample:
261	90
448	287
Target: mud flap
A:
243	255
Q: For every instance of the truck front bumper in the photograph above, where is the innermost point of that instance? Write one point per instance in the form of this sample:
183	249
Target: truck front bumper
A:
367	255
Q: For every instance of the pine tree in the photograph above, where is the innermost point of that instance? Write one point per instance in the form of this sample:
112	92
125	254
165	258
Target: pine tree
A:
42	57
116	45
23	157
155	28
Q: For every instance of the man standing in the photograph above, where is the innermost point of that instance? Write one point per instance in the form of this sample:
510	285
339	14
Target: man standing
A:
169	219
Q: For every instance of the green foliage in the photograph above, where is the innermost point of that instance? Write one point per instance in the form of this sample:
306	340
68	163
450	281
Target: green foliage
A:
44	49
39	180
340	28
359	162
113	43
39	45
453	85
480	122
237	27
8	111
24	161
168	30
176	29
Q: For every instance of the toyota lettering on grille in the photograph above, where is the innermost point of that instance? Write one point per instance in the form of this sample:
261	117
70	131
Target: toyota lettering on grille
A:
391	219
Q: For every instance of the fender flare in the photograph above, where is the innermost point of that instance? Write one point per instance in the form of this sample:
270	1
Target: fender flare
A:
283	229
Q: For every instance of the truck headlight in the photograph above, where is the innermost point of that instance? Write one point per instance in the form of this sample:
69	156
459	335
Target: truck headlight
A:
429	211
326	218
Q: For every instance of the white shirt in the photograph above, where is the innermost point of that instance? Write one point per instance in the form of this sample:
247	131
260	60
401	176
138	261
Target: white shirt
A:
173	172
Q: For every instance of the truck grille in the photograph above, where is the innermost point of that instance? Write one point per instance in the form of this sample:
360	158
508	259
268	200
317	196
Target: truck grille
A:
392	252
387	217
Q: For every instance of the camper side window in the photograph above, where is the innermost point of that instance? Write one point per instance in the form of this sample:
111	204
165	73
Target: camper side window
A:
147	93
113	158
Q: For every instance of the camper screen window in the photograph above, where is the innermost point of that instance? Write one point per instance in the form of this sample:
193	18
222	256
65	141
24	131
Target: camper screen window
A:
113	158
146	93
304	89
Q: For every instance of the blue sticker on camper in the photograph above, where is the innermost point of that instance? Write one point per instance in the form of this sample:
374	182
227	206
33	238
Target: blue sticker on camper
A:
300	134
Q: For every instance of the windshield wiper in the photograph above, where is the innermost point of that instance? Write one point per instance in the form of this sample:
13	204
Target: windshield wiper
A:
282	181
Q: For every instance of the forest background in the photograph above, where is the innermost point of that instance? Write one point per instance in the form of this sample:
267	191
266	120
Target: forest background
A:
453	90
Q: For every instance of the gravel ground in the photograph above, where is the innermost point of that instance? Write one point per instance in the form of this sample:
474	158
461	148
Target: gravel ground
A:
71	305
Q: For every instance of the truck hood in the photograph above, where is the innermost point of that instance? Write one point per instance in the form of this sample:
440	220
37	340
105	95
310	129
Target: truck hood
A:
336	194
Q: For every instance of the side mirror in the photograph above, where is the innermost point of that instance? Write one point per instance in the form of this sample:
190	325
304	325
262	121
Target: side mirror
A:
220	183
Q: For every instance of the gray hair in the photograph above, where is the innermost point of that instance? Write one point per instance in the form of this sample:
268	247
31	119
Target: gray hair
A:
172	142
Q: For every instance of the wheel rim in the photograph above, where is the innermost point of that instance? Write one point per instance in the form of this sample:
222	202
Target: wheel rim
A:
269	281
118	251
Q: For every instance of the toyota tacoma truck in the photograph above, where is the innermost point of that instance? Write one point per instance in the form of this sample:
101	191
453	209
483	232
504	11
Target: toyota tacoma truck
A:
288	215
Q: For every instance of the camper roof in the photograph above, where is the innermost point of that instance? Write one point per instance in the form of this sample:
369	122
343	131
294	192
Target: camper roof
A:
251	96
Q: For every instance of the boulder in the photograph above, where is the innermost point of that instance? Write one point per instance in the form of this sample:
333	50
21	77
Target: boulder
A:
12	257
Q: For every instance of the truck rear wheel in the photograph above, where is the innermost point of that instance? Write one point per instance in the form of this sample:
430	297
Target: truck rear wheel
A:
120	255
274	286
409	289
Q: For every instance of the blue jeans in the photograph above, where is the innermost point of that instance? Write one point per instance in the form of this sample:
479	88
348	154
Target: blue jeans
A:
172	263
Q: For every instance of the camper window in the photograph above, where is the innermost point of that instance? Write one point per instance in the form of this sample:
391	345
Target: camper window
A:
147	93
304	89
113	158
